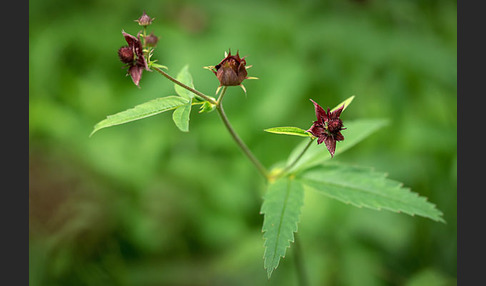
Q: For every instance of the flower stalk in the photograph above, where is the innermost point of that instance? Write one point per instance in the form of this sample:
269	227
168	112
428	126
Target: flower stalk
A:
219	107
291	165
198	93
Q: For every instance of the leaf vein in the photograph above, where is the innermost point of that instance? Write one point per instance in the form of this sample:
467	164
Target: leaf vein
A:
287	192
352	187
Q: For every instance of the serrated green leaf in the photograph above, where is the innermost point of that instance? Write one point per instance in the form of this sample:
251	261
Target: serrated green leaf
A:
364	187
346	103
181	116
289	131
354	133
140	111
281	209
186	78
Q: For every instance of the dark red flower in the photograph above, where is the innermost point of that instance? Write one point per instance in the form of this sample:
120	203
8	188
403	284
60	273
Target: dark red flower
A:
231	70
132	55
126	54
327	128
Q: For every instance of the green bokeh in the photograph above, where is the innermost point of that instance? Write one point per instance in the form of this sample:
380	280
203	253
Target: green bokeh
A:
146	204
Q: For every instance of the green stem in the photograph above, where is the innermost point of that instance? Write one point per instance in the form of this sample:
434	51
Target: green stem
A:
263	171
202	95
144	35
219	107
291	165
221	95
299	263
237	139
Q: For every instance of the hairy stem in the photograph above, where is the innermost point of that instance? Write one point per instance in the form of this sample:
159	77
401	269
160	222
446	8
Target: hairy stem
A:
237	139
200	94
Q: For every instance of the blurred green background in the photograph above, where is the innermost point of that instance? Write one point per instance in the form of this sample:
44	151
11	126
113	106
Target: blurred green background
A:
145	204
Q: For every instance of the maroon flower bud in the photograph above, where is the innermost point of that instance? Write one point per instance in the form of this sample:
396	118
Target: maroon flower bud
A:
231	70
144	20
133	56
151	40
327	128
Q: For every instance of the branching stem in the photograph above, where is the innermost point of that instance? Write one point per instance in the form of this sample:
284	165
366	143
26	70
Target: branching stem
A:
235	136
202	95
263	171
291	165
224	118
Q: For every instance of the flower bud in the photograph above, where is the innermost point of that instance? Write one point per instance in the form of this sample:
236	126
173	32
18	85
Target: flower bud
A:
151	40
231	70
144	20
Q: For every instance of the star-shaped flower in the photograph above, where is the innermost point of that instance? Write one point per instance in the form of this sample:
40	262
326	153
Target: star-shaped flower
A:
133	56
327	128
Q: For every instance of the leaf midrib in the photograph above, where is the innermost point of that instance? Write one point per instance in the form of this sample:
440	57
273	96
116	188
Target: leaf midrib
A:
353	188
287	192
132	118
